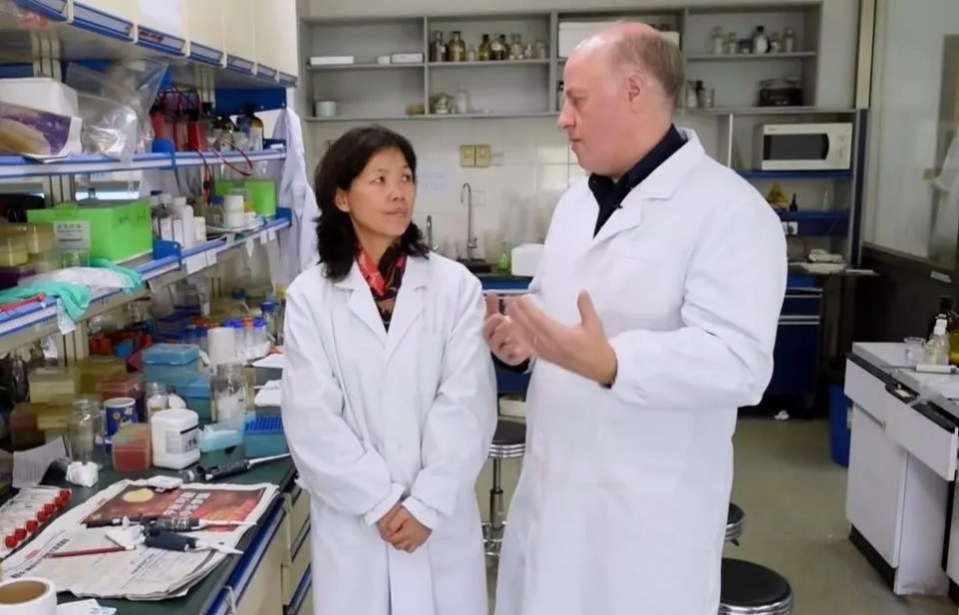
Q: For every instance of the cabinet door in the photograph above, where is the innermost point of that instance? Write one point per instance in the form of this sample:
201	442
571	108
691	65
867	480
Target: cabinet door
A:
164	16
205	23
796	356
239	27
124	9
277	35
875	483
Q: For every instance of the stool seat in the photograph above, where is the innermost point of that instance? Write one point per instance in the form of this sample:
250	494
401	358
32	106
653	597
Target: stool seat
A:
509	441
748	588
734	523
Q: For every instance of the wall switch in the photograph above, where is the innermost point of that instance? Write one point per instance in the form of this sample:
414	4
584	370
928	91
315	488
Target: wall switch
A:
467	156
483	156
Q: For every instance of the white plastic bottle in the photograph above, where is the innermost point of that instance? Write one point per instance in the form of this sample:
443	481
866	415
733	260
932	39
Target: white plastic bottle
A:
175	438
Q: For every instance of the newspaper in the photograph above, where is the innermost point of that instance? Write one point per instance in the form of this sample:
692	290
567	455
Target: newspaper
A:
142	573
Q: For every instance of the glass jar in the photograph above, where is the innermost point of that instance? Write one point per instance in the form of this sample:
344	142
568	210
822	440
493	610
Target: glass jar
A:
456	50
437	47
732	43
719	41
230	393
157	398
86	430
516	47
542	51
789	41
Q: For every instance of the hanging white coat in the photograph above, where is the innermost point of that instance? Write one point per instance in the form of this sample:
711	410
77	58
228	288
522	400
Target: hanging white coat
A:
372	417
622	501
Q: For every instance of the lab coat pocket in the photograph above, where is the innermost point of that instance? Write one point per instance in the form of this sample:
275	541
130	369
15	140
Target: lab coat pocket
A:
638	291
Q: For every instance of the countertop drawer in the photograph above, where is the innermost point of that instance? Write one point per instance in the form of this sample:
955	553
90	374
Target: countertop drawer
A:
924	437
867	392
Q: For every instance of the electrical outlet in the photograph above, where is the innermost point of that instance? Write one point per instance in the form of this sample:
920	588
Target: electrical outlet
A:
792	228
467	156
483	156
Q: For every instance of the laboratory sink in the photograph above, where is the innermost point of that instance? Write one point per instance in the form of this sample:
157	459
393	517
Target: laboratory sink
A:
477	266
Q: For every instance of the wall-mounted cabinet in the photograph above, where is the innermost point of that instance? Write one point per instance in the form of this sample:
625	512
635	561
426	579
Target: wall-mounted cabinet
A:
717	42
205	26
240	35
276	33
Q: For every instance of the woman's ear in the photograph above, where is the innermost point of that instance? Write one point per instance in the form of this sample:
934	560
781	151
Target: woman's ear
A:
340	200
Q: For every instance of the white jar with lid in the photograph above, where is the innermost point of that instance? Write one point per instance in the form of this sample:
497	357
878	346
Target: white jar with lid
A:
175	438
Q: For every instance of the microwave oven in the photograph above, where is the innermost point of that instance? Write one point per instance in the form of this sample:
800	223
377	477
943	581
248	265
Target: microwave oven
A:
803	147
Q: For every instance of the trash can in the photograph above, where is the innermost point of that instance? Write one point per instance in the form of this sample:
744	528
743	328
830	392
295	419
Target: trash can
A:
840	431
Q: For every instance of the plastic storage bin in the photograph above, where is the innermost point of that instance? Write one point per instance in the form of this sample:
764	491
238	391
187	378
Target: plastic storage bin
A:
53	384
10	277
13	249
39	237
840	433
171	363
263	436
96	368
125	385
198	394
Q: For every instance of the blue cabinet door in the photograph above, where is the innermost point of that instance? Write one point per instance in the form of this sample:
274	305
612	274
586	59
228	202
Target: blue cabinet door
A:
796	357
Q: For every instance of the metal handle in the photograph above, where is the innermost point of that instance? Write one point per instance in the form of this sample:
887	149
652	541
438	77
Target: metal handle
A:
881	423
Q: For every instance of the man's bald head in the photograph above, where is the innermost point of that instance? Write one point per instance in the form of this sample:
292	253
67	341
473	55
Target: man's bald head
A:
634	46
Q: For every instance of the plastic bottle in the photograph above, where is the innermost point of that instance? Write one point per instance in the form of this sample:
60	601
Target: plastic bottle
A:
936	350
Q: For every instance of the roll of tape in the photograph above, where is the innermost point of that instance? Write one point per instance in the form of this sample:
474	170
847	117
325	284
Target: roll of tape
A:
28	596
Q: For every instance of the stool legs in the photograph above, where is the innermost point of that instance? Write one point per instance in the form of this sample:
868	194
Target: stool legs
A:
493	531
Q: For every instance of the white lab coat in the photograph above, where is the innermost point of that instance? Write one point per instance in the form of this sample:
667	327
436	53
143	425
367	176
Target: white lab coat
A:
373	417
297	243
622	501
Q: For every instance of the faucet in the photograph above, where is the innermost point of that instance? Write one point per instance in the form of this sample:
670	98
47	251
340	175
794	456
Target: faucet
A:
470	239
429	233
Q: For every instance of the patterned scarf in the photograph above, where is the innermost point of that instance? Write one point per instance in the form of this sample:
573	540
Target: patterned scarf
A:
384	280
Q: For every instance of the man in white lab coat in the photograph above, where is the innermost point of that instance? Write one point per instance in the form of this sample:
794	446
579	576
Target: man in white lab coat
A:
651	319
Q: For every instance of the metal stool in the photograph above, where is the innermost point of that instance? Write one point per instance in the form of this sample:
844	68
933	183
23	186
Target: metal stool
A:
751	589
734	524
509	442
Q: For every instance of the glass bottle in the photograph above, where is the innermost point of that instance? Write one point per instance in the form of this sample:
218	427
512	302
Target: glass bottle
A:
484	49
516	48
760	40
719	41
157	398
456	50
936	351
732	43
438	47
542	51
229	393
471	54
775	43
789	41
498	48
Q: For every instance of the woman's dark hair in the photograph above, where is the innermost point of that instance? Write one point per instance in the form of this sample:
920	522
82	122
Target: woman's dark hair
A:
343	163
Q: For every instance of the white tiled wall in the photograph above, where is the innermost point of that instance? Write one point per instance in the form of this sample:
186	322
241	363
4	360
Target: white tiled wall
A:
514	198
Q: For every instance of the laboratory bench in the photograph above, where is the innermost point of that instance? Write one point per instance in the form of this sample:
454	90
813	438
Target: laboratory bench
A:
272	577
900	490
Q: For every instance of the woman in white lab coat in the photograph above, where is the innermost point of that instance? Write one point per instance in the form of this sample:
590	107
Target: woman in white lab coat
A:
388	396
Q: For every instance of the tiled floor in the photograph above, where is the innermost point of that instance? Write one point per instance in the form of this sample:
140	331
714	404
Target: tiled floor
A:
794	499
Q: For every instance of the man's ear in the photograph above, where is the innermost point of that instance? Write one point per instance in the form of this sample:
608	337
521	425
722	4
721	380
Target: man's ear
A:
635	86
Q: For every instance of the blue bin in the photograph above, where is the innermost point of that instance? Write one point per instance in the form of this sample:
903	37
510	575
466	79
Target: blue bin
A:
840	432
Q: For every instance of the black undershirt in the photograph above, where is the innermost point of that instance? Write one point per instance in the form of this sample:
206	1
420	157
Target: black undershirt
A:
610	194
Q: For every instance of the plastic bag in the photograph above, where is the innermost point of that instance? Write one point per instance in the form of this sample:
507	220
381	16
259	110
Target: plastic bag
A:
108	128
115	104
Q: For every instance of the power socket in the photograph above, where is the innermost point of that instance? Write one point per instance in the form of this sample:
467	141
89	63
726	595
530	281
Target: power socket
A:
467	156
791	229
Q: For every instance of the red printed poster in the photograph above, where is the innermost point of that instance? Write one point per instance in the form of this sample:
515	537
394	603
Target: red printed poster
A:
207	503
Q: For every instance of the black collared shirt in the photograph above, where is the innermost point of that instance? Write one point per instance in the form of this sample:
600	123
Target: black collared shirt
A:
610	194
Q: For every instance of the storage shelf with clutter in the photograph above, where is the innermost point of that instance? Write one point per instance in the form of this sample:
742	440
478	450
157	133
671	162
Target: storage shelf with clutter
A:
762	56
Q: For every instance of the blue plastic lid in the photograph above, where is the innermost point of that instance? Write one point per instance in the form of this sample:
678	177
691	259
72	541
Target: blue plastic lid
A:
171	354
268	307
198	387
217	200
233	322
201	333
259	323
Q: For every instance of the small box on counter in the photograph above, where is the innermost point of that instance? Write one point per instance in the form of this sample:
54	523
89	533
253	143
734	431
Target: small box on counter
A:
332	60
